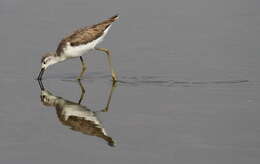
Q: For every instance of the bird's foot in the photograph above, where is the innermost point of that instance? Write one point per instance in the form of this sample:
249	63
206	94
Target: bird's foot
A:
114	77
114	80
104	110
114	83
79	78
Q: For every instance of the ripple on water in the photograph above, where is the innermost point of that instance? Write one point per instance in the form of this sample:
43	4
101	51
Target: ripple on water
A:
149	80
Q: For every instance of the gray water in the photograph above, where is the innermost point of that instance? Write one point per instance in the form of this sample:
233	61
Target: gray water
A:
188	91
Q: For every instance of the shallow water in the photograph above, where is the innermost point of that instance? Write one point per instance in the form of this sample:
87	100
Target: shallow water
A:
188	89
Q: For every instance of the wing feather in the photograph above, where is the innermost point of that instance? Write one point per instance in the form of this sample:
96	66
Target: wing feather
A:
86	34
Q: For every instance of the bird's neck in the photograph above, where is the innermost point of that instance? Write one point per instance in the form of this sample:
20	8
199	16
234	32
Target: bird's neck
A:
60	58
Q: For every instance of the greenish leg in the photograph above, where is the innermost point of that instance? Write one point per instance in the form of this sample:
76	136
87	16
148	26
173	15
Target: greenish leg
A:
114	76
84	68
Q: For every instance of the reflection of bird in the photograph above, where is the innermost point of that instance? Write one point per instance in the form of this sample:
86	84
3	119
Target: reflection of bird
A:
77	116
77	44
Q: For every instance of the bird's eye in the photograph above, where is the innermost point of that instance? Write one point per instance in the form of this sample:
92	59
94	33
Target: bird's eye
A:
44	62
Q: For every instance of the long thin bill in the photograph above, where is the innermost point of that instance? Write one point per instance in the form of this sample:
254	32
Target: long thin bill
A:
40	74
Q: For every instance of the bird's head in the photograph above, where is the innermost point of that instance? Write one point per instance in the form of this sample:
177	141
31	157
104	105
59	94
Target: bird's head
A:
47	60
47	98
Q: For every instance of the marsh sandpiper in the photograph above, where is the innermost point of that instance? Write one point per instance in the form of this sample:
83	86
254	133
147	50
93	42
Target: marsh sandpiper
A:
79	43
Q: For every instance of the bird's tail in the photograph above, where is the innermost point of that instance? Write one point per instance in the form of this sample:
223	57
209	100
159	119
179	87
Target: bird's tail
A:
114	18
106	23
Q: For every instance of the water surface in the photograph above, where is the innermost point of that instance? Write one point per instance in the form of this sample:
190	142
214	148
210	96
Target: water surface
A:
188	88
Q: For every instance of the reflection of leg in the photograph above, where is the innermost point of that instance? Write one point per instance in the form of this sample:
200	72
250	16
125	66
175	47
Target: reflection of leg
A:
109	98
84	67
114	77
82	91
41	85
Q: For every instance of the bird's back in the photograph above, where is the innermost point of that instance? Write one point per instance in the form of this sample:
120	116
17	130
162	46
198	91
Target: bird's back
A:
85	35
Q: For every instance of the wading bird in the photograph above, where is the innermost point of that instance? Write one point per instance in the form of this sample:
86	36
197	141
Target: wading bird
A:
79	43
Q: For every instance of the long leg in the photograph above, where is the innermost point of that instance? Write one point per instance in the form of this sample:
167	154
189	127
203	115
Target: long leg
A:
84	67
114	77
82	92
109	98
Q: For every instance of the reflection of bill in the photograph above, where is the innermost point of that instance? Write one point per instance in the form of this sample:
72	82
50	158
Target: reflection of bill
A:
77	116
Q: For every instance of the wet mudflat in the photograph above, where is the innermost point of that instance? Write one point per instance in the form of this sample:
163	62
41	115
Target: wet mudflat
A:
188	89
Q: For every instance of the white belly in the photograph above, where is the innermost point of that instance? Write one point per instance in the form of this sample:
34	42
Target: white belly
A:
76	51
